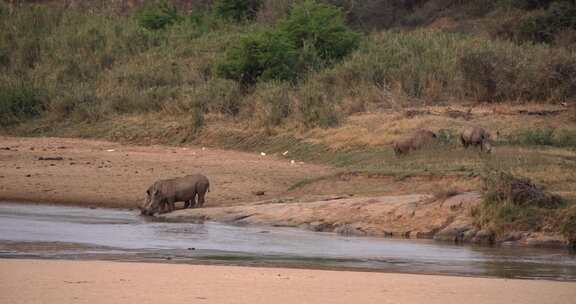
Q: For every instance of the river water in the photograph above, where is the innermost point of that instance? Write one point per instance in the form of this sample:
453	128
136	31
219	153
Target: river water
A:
40	231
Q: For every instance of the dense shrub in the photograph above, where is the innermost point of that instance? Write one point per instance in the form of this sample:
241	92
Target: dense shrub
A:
237	10
19	102
157	15
313	36
266	55
320	28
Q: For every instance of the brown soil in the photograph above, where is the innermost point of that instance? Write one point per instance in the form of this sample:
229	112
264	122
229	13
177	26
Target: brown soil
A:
31	281
101	173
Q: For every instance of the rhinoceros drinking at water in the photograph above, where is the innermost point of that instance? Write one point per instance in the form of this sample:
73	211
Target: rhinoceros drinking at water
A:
163	194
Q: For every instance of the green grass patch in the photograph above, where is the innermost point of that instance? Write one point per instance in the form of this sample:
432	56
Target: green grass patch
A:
19	102
544	137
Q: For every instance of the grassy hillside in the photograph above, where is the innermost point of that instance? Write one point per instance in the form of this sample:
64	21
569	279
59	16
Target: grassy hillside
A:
78	65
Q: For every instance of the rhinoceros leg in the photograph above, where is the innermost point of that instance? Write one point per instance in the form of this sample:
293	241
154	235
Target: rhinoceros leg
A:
171	205
191	203
162	207
201	200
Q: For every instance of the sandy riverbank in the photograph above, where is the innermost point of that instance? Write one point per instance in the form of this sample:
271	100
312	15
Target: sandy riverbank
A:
42	281
106	174
246	188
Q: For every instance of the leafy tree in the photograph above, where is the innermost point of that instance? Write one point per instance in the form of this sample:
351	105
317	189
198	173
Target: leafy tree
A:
313	36
266	55
321	27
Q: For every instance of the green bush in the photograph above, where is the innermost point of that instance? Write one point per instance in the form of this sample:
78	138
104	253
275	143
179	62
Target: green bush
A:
19	102
237	10
266	55
157	15
313	36
321	29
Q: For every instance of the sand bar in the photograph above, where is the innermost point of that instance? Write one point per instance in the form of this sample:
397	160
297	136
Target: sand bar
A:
45	281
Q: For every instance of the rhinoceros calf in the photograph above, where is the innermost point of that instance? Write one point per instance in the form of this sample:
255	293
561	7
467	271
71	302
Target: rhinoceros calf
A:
476	137
415	141
163	194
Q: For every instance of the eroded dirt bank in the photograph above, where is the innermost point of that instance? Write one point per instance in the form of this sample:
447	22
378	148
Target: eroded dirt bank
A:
110	282
404	216
411	216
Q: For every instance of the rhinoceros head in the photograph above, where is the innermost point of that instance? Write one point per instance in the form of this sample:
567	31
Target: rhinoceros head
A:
151	202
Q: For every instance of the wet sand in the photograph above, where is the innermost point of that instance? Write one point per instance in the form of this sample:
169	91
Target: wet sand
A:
43	281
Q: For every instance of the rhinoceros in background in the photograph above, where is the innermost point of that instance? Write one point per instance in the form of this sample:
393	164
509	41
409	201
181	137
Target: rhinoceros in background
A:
477	137
163	194
415	141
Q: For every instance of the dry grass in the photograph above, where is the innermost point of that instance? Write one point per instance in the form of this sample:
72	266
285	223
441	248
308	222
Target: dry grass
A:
511	203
